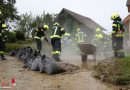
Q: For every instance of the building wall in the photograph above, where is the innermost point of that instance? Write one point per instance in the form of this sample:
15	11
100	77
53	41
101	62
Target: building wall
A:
126	34
128	8
71	24
127	37
129	30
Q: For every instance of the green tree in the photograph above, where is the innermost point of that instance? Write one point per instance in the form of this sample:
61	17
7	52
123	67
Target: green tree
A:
28	22
12	37
8	10
25	24
20	35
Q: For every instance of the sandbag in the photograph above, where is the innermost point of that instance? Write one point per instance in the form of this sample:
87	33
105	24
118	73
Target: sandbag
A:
52	67
29	63
42	63
42	67
35	64
49	66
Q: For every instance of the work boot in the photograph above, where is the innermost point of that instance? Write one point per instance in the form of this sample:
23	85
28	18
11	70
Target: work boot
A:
38	53
121	55
57	58
3	57
53	56
116	54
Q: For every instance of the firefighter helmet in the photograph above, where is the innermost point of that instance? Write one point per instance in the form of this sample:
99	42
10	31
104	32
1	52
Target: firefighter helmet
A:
115	16
98	30
56	24
4	25
46	27
78	29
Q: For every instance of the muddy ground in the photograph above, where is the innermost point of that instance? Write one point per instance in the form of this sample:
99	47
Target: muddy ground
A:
31	80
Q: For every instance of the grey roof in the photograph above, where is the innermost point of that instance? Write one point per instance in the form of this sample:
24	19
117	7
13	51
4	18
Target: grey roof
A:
128	3
82	19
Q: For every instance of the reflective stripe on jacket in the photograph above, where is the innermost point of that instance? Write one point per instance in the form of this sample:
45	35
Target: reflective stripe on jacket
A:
57	32
117	29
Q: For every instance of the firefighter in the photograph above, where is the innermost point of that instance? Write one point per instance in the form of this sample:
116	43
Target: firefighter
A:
65	39
117	35
38	35
80	36
57	32
3	38
98	41
99	34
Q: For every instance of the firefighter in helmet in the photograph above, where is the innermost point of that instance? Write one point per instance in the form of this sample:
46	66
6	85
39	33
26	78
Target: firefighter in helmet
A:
38	35
80	36
117	35
3	37
57	32
98	39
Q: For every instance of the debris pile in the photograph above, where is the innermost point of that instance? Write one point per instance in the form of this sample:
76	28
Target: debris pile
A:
69	68
114	70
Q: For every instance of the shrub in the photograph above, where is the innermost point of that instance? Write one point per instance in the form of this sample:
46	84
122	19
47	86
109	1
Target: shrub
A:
20	35
24	42
12	37
13	46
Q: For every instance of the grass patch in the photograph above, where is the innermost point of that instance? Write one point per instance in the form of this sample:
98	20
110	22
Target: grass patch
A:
115	71
13	46
123	65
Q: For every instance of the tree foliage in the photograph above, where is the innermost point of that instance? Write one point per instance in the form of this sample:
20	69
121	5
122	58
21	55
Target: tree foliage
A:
20	35
8	9
28	22
11	37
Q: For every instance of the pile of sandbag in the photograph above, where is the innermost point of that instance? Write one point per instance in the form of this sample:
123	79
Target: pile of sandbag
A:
35	62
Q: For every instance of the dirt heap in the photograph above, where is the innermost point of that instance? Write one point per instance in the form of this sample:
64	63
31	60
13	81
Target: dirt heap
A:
69	68
114	71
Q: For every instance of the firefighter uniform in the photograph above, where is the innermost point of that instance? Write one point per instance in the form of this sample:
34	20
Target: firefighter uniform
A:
57	32
80	36
2	39
98	39
39	34
117	36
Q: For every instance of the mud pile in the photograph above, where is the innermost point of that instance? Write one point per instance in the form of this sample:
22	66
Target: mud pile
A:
69	68
115	71
104	71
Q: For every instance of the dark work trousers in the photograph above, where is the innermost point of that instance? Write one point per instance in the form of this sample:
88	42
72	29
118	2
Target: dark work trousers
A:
117	45
113	43
119	42
114	46
39	44
56	44
2	45
2	48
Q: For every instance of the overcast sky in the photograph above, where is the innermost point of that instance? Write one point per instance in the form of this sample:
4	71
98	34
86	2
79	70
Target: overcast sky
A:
98	10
